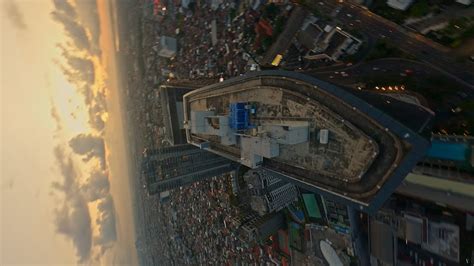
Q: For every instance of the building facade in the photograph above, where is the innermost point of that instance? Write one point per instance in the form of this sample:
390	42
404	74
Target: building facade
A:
267	193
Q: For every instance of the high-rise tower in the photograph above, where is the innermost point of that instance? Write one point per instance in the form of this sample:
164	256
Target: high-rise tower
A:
313	134
172	167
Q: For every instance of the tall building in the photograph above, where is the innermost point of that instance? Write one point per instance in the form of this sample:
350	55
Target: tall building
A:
172	167
307	132
382	244
172	102
260	228
267	193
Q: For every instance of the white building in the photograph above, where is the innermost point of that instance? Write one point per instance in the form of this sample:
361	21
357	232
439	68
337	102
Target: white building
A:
260	142
167	47
328	43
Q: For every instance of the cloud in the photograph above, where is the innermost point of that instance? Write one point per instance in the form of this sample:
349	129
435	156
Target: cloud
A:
81	85
106	223
79	70
96	109
8	184
81	23
14	15
97	186
89	17
72	219
73	29
65	7
81	73
84	68
90	146
55	115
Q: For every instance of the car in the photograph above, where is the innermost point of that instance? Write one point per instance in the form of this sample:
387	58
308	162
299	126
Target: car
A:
254	67
321	3
349	15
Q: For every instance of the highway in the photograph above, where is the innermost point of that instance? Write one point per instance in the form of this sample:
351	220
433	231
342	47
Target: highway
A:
353	16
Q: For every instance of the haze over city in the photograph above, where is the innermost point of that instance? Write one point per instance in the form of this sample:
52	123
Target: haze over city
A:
65	193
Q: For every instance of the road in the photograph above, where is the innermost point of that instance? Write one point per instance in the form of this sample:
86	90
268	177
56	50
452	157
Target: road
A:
360	19
383	66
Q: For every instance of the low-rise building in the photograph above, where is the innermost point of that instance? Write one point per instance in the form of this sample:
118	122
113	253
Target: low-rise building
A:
328	43
167	47
438	237
445	175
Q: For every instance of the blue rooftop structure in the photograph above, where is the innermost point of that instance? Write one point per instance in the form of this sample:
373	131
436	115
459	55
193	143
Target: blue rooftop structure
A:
454	151
239	116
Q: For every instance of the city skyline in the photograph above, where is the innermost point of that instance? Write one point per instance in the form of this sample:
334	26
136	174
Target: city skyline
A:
236	132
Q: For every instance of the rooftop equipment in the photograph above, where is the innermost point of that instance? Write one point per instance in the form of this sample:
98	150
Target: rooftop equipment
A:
323	136
239	116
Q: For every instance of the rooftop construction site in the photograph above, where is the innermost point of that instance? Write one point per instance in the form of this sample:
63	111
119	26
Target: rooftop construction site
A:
305	130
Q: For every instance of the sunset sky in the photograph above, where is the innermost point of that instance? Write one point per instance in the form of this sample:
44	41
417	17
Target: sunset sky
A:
64	182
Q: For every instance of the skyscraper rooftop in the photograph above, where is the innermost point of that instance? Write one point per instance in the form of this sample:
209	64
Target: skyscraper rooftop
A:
305	131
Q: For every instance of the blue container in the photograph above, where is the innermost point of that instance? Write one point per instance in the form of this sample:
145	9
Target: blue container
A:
239	116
